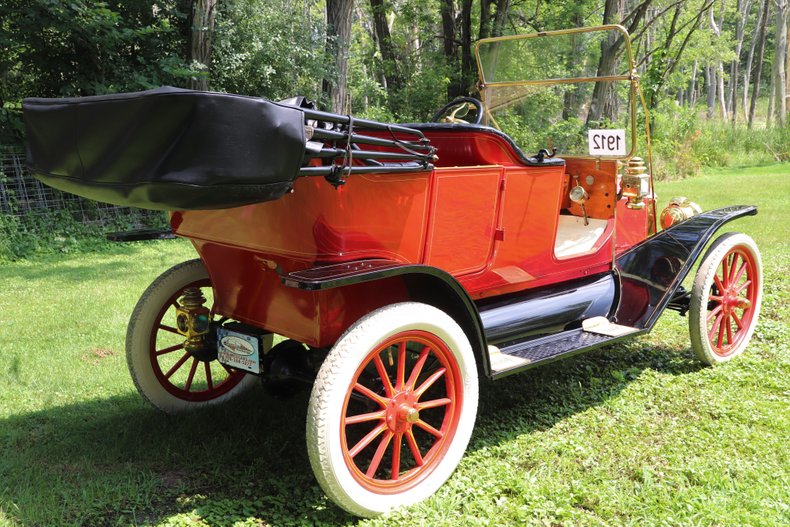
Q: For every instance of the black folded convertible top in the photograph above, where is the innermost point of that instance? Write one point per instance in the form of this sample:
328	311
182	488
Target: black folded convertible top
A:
166	149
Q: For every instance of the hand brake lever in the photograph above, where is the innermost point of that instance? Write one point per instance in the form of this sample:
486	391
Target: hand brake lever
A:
579	195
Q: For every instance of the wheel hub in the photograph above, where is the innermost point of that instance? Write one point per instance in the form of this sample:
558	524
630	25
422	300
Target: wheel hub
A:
410	415
726	302
204	351
402	412
730	301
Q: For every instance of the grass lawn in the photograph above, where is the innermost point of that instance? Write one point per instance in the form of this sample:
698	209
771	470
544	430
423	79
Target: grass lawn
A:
636	434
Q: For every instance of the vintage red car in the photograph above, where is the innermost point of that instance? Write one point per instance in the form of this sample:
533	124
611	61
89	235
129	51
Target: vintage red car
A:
398	264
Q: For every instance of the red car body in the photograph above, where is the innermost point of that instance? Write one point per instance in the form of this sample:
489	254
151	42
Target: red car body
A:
481	215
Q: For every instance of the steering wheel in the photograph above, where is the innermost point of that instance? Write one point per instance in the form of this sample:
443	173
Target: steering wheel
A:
453	111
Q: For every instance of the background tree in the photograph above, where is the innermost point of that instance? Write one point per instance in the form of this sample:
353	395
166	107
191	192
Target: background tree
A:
391	76
604	103
758	65
780	58
274	52
339	18
203	15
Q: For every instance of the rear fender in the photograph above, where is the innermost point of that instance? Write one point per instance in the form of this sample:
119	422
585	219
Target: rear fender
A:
651	272
424	283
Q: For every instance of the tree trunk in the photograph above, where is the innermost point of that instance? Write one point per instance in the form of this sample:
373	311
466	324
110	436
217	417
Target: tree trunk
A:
604	103
493	24
338	32
747	72
571	103
710	85
719	67
722	102
450	47
780	58
203	14
382	34
500	18
663	61
648	39
743	8
787	74
692	98
769	114
759	65
485	19
447	11
417	43
604	100
365	98
467	72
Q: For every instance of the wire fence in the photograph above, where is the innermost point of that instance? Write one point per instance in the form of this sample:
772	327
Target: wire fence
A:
26	198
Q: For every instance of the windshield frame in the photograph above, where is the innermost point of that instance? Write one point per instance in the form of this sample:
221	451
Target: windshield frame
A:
631	77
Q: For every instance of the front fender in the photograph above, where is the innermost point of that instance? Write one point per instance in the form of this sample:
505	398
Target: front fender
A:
652	271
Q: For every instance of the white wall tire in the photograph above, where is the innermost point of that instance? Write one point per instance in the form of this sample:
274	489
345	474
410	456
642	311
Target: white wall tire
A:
431	384
725	299
166	375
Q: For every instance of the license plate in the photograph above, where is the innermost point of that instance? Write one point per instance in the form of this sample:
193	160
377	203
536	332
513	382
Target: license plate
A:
238	350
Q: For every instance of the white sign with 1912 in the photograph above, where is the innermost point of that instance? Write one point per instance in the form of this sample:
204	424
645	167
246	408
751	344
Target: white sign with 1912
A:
606	142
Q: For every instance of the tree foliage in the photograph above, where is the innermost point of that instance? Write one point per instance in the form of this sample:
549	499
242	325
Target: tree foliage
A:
52	48
404	59
84	47
274	51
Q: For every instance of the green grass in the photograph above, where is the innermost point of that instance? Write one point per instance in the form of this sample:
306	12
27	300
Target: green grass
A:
636	434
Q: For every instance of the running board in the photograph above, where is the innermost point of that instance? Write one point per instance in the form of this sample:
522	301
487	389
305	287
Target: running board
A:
520	356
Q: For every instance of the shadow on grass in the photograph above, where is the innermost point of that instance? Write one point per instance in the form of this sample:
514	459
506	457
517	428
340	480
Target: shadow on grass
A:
115	461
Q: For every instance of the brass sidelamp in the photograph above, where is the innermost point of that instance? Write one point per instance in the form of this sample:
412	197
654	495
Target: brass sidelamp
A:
636	183
192	318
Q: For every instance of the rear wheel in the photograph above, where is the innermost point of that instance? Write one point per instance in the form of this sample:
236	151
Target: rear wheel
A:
725	299
392	409
164	372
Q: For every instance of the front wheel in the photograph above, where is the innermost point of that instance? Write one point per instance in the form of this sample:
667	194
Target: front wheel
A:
725	299
164	372
392	409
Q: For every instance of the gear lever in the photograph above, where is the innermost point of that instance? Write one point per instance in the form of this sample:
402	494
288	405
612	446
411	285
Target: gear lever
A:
579	195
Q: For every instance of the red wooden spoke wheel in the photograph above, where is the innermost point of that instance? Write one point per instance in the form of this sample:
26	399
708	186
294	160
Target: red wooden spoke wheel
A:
397	432
725	299
392	409
191	376
164	372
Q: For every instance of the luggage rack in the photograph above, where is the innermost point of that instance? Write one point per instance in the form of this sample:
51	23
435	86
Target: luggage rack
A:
334	139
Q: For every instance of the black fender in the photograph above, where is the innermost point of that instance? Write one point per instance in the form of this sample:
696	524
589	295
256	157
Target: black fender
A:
425	284
652	271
